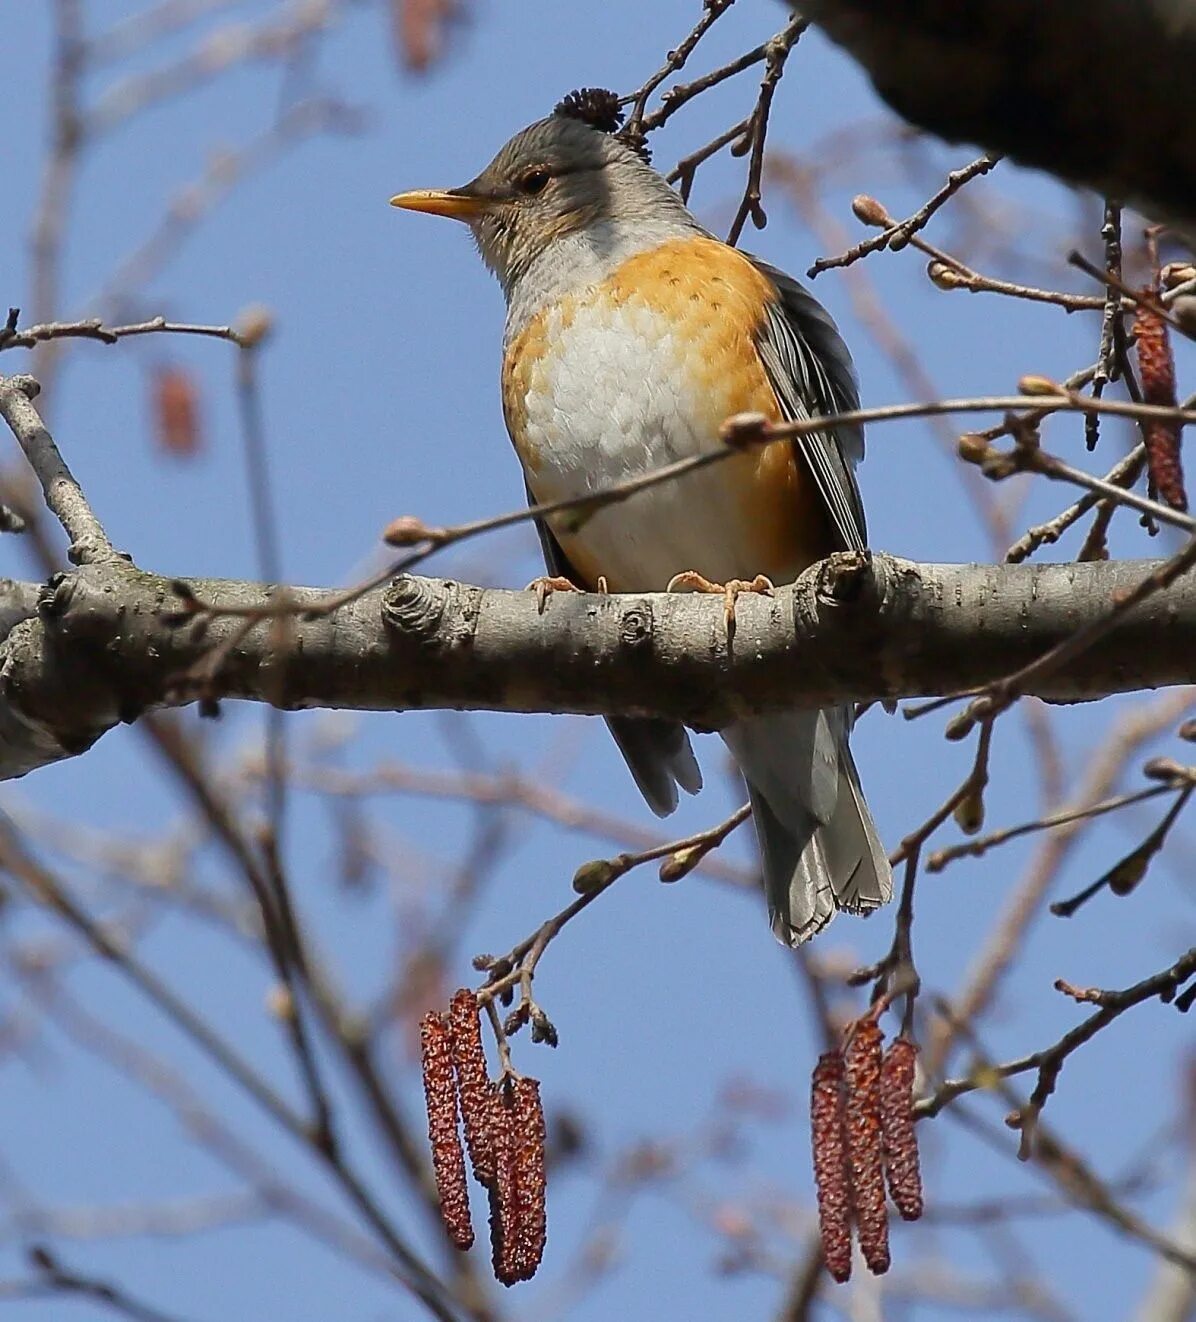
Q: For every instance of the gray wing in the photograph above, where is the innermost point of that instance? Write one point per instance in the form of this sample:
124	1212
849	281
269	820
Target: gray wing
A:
657	753
810	370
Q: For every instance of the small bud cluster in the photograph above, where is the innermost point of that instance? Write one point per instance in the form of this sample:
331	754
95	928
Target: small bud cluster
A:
503	1125
595	106
862	1125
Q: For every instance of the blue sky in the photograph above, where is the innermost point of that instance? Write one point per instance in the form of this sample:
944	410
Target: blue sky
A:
381	398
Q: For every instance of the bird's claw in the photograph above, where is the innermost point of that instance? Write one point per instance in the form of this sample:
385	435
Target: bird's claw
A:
546	585
691	581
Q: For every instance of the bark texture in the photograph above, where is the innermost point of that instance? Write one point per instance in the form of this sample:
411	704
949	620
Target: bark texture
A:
103	644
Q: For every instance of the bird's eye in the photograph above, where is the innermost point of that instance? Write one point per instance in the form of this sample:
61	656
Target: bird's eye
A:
533	181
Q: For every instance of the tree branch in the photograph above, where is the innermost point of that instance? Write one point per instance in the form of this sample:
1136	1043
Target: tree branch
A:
1046	83
110	642
64	496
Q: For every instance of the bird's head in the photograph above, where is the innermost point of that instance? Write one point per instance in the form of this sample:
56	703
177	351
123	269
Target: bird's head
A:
559	176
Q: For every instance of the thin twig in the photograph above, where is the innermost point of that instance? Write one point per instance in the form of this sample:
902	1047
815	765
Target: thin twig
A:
777	52
58	180
712	11
1025	903
897	234
55	1279
1111	327
1122	474
1050	1060
686	168
536	797
131	35
63	495
517	968
93	328
982	844
740	430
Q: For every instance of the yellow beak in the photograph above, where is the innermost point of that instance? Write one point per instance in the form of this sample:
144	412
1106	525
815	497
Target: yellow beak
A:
441	202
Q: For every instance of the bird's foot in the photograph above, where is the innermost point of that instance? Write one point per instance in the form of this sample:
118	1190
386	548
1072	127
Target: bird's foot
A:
691	581
546	585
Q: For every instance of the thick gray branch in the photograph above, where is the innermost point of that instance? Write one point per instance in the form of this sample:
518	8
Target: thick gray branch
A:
1098	92
102	647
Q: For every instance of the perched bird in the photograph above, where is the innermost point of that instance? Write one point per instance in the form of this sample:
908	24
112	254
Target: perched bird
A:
631	334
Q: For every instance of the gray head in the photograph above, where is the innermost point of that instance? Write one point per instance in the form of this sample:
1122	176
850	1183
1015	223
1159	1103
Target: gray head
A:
557	177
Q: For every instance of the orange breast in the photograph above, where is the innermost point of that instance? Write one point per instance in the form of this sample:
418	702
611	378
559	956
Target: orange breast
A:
665	348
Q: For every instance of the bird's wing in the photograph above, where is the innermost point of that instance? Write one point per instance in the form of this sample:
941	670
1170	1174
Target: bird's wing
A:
658	753
811	372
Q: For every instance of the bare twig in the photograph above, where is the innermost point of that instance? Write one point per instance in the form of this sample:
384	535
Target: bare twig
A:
777	52
192	203
1025	904
46	888
55	1279
1050	1060
504	789
1123	474
982	844
53	206
93	328
131	35
63	495
896	234
518	967
712	11
212	56
740	431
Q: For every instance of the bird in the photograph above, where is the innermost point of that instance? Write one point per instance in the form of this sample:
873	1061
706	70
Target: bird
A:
631	334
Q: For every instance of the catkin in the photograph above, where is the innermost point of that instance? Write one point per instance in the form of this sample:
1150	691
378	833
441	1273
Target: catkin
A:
504	1190
448	1159
830	1163
473	1085
530	1183
1156	367
864	1143
897	1126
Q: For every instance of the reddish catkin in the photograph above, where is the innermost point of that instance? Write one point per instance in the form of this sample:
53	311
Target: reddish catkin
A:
530	1181
473	1085
830	1163
1156	367
448	1160
504	1190
897	1127
865	1156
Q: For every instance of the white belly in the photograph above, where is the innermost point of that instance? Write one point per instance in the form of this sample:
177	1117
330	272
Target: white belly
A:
614	398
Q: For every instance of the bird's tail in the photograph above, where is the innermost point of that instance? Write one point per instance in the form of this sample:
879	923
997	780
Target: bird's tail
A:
818	843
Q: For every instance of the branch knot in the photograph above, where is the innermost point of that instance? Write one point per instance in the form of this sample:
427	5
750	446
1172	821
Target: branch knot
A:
842	577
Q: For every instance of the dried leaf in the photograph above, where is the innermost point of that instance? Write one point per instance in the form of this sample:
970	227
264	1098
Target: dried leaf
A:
176	411
420	29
